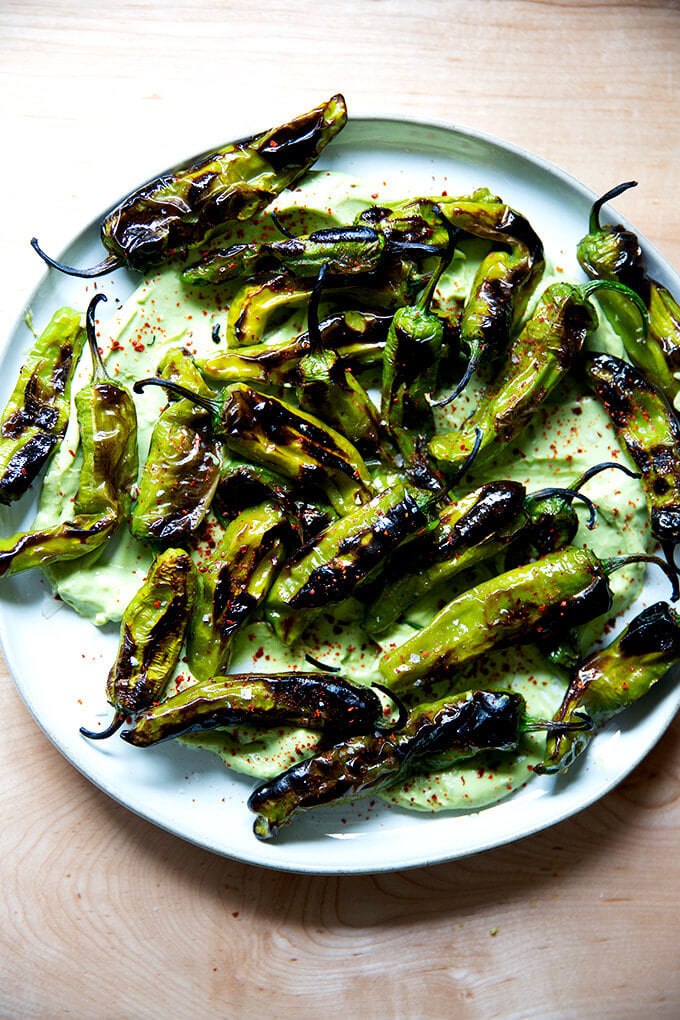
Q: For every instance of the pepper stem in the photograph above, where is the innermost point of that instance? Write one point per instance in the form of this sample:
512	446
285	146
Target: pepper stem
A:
108	265
444	260
99	369
113	726
587	289
581	724
469	372
313	331
568	495
594	223
461	472
280	227
403	711
612	563
597	468
321	665
181	391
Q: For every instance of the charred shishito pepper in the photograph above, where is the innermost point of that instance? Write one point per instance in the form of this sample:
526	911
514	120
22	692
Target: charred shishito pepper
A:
327	387
537	361
613	678
504	279
182	469
496	517
325	702
347	554
645	421
36	415
196	200
449	730
610	252
151	637
108	439
276	435
233	584
345	251
560	591
357	337
413	351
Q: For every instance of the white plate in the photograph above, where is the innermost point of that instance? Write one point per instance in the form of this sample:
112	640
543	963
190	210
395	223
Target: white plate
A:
59	661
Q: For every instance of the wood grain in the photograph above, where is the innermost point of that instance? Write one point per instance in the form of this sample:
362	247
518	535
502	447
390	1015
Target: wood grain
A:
104	915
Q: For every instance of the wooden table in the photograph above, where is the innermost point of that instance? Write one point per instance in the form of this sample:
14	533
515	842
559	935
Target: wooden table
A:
104	915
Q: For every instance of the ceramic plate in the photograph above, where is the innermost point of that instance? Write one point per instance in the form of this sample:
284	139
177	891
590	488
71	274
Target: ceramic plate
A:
58	660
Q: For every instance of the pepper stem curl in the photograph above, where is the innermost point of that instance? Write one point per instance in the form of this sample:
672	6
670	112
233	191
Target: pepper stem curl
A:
101	269
594	224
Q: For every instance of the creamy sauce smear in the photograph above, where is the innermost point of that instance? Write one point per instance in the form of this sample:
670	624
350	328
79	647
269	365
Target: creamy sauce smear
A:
568	435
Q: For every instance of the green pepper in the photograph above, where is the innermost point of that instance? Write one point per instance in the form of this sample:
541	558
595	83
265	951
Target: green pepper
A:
198	199
36	414
449	730
345	251
537	361
327	388
265	296
358	338
232	584
613	678
182	469
411	360
151	638
611	252
108	438
560	591
276	435
325	702
644	420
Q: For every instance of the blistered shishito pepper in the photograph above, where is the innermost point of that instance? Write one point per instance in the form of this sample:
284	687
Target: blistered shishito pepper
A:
233	584
613	678
347	554
325	702
413	351
537	361
196	200
358	338
645	421
498	516
108	439
36	414
560	591
261	298
610	252
278	436
345	251
448	731
151	636
326	387
182	469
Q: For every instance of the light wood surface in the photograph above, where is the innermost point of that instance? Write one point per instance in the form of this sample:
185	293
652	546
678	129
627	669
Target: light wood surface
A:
104	915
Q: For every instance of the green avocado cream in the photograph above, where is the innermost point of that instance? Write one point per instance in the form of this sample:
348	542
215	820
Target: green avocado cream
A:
569	434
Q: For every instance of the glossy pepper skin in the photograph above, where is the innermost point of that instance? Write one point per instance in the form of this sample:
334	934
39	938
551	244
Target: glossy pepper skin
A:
560	591
358	338
151	637
459	727
108	439
345	251
611	252
537	360
196	200
182	470
233	584
613	678
259	299
317	701
645	422
328	570
278	436
37	413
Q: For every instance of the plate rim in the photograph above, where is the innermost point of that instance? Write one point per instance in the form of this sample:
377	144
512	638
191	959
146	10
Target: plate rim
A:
408	860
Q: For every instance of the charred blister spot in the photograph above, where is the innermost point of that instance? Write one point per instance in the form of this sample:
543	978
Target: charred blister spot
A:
593	601
498	505
656	631
495	297
666	523
294	144
25	465
629	262
517	229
